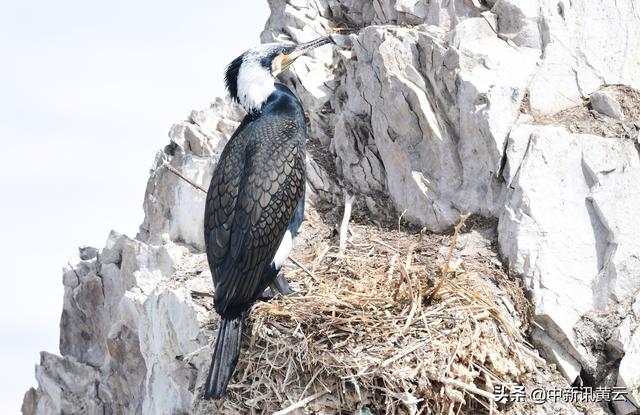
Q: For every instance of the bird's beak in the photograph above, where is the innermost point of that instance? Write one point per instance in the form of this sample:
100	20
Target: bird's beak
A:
303	49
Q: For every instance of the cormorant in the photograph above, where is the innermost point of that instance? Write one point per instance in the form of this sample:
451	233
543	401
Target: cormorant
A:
255	202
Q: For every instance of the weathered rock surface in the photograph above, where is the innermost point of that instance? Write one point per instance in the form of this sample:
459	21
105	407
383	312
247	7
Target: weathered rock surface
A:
604	103
564	229
431	109
130	334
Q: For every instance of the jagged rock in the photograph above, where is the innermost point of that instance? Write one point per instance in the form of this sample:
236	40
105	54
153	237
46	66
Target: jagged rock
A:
424	114
131	335
604	103
420	112
87	252
621	337
566	231
64	386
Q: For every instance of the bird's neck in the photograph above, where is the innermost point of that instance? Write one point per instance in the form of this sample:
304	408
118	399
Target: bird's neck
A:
281	102
255	85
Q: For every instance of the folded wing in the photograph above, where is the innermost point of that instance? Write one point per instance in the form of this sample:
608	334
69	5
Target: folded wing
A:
253	196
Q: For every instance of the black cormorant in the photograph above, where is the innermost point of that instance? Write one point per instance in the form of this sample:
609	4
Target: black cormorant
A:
255	202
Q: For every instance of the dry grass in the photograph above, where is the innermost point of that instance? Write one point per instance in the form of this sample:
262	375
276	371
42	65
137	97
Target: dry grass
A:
368	334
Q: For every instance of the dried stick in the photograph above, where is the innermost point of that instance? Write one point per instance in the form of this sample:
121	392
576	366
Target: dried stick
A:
445	268
344	226
301	403
302	267
403	353
177	173
467	387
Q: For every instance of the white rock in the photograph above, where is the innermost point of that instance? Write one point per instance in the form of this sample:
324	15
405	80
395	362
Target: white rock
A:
621	336
606	104
629	377
556	353
577	57
402	85
417	8
564	227
518	21
65	386
554	86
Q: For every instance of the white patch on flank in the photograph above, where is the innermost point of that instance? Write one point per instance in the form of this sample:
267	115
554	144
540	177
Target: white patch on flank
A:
283	250
255	83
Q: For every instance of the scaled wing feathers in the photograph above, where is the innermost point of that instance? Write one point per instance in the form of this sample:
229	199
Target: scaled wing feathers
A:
252	199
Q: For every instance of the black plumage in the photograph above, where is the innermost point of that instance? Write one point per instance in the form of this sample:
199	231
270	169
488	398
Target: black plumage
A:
253	195
255	190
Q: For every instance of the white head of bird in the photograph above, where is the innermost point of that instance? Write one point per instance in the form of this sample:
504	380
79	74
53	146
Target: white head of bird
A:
250	78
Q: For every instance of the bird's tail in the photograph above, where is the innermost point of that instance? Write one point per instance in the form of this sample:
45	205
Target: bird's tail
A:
225	357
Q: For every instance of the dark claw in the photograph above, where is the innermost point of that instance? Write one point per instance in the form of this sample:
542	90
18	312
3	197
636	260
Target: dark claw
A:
267	294
278	288
281	285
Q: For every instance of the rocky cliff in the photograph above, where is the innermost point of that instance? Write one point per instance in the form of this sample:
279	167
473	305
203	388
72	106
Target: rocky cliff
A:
522	113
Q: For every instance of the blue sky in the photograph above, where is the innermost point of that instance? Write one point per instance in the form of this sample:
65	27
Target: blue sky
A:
88	92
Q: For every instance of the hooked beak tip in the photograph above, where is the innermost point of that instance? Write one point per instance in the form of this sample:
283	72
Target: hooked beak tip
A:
306	47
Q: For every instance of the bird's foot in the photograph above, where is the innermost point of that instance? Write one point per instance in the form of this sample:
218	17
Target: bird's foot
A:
281	285
267	294
279	288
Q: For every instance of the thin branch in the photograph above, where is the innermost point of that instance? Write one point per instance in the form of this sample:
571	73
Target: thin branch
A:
301	403
177	173
319	259
403	353
386	245
302	267
469	388
445	268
